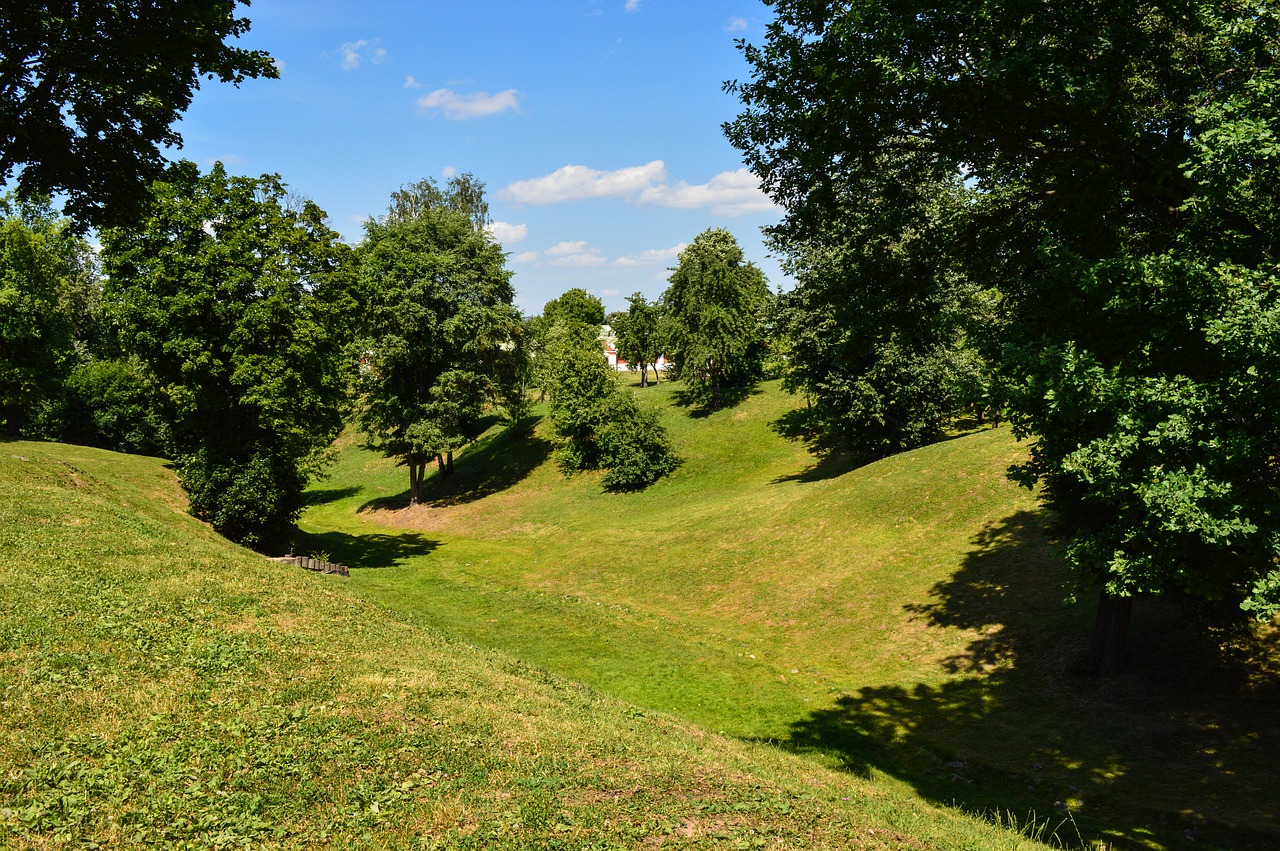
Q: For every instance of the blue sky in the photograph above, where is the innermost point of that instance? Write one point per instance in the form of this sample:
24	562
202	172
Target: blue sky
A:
595	124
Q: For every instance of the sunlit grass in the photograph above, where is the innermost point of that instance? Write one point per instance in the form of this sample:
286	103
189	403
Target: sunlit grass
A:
163	688
905	617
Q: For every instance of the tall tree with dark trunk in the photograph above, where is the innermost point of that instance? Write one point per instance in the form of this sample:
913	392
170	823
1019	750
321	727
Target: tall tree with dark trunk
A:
438	329
1125	201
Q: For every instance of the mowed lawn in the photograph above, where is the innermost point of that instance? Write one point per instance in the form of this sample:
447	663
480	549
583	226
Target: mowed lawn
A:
906	618
163	688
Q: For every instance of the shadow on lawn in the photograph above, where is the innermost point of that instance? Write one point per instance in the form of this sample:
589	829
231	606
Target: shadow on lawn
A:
497	461
730	397
1181	748
371	550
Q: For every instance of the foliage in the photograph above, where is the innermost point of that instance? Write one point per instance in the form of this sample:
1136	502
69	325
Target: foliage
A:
714	303
1123	163
439	332
91	91
235	302
112	403
875	327
41	262
574	306
639	341
600	423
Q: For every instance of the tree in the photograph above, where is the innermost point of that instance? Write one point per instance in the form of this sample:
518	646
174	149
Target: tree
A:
714	303
89	92
876	325
600	423
575	306
638	339
439	332
1125	202
40	261
236	305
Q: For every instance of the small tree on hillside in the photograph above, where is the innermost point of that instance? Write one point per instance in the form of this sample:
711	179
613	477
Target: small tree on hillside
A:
600	422
638	338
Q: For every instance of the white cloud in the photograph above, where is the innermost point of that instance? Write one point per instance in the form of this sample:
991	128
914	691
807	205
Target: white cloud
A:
506	233
581	260
561	249
610	293
461	107
576	254
633	5
526	257
735	25
576	182
730	193
354	53
411	83
448	171
651	256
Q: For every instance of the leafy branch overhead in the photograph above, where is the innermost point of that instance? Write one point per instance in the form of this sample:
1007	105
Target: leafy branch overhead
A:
90	90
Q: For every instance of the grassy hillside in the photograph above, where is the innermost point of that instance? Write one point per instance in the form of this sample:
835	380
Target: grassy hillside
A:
903	620
160	687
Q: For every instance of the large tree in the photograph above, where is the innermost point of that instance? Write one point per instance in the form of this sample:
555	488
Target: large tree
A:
714	305
40	262
575	306
90	89
1124	170
440	337
236	302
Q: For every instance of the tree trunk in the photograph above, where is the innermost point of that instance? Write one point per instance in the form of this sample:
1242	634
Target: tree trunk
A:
12	421
448	464
655	374
417	470
1110	634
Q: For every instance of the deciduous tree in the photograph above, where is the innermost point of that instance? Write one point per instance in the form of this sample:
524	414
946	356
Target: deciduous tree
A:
90	90
714	304
237	304
439	332
1124	171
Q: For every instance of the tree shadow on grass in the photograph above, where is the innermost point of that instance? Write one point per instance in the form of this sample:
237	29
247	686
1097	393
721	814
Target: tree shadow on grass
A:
1182	747
499	460
373	550
698	408
324	496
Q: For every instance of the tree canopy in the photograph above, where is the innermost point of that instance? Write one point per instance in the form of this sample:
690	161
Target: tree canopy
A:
40	259
90	90
1122	167
438	331
575	306
234	301
639	340
714	305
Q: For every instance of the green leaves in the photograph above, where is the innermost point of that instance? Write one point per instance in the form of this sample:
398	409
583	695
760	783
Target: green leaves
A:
234	299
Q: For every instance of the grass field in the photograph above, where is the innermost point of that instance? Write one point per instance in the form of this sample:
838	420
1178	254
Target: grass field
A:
160	687
902	621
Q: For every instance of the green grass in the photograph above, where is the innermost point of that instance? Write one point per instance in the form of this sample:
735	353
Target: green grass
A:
902	620
160	687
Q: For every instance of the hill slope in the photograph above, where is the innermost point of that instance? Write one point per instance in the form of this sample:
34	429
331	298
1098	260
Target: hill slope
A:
905	617
160	686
